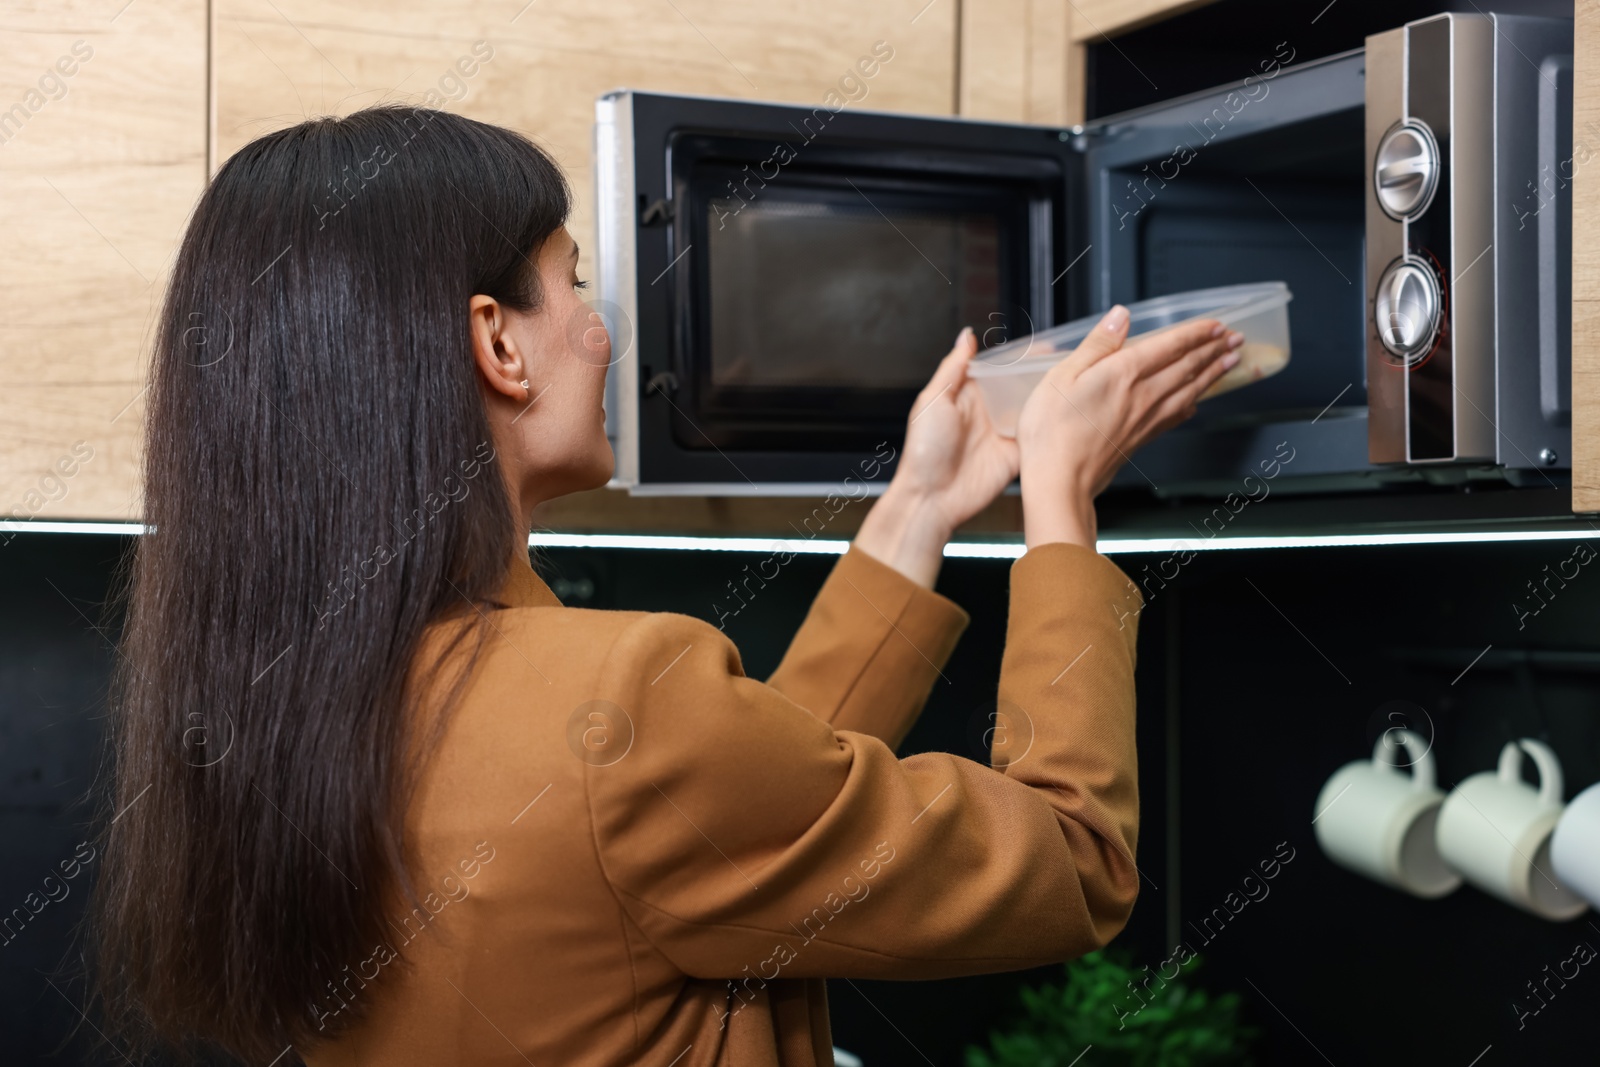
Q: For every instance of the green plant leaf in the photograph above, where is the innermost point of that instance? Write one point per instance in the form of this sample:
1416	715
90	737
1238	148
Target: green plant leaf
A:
1132	1016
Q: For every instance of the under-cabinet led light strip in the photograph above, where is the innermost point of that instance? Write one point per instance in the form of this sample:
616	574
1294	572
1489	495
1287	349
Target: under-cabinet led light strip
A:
1114	545
124	529
955	550
1012	550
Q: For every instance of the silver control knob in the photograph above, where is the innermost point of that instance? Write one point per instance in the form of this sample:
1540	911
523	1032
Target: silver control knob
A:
1407	170
1406	309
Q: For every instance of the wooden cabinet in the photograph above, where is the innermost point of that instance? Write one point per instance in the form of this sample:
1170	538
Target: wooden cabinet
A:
1106	18
547	62
102	154
1586	262
1019	62
1023	60
112	118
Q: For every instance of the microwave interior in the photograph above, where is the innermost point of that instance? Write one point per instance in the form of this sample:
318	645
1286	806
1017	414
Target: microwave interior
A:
1223	188
1283	204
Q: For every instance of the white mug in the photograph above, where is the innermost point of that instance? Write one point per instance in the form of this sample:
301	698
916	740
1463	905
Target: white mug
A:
1495	830
1378	821
1575	846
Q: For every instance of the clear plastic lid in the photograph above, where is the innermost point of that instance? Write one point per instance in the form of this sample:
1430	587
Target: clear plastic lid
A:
1228	304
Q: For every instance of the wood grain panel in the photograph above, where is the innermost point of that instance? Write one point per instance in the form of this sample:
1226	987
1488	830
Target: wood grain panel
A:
1055	63
1019	62
1096	19
994	59
1586	269
99	168
278	62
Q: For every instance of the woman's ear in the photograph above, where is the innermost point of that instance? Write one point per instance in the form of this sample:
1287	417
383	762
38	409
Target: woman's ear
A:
501	363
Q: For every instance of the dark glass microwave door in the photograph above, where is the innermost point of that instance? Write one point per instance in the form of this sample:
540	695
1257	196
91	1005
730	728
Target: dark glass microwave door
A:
826	305
828	284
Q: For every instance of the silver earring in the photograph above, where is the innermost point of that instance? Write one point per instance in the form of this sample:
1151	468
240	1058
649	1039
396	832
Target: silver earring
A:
525	386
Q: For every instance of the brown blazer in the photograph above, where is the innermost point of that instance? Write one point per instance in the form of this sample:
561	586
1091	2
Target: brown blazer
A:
630	853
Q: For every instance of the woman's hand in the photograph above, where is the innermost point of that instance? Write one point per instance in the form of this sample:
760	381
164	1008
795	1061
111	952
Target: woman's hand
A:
953	464
1100	404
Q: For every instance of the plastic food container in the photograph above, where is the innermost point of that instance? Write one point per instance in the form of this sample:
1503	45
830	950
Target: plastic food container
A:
1007	373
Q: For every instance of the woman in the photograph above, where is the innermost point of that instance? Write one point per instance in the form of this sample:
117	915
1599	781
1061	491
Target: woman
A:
380	799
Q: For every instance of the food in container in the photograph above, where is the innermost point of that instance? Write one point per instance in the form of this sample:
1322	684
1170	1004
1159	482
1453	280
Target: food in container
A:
1007	373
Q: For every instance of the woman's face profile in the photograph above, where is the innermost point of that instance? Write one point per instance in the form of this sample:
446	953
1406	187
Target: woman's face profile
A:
551	433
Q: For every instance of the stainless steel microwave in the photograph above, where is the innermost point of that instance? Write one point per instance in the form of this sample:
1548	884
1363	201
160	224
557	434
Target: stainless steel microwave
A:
785	278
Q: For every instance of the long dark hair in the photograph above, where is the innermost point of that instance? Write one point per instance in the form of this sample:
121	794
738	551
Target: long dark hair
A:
320	485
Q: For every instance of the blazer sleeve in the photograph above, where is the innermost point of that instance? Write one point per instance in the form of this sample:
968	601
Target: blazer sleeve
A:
748	839
870	649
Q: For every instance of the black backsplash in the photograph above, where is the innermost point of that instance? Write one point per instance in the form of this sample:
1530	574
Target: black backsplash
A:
55	661
1270	668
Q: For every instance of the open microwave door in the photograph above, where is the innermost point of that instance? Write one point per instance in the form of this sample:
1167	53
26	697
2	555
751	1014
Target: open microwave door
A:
788	278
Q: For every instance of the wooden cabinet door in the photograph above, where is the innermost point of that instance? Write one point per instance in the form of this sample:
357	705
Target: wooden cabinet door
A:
279	60
1020	61
1586	263
102	153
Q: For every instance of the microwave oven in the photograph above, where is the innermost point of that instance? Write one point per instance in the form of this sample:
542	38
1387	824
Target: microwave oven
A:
782	279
